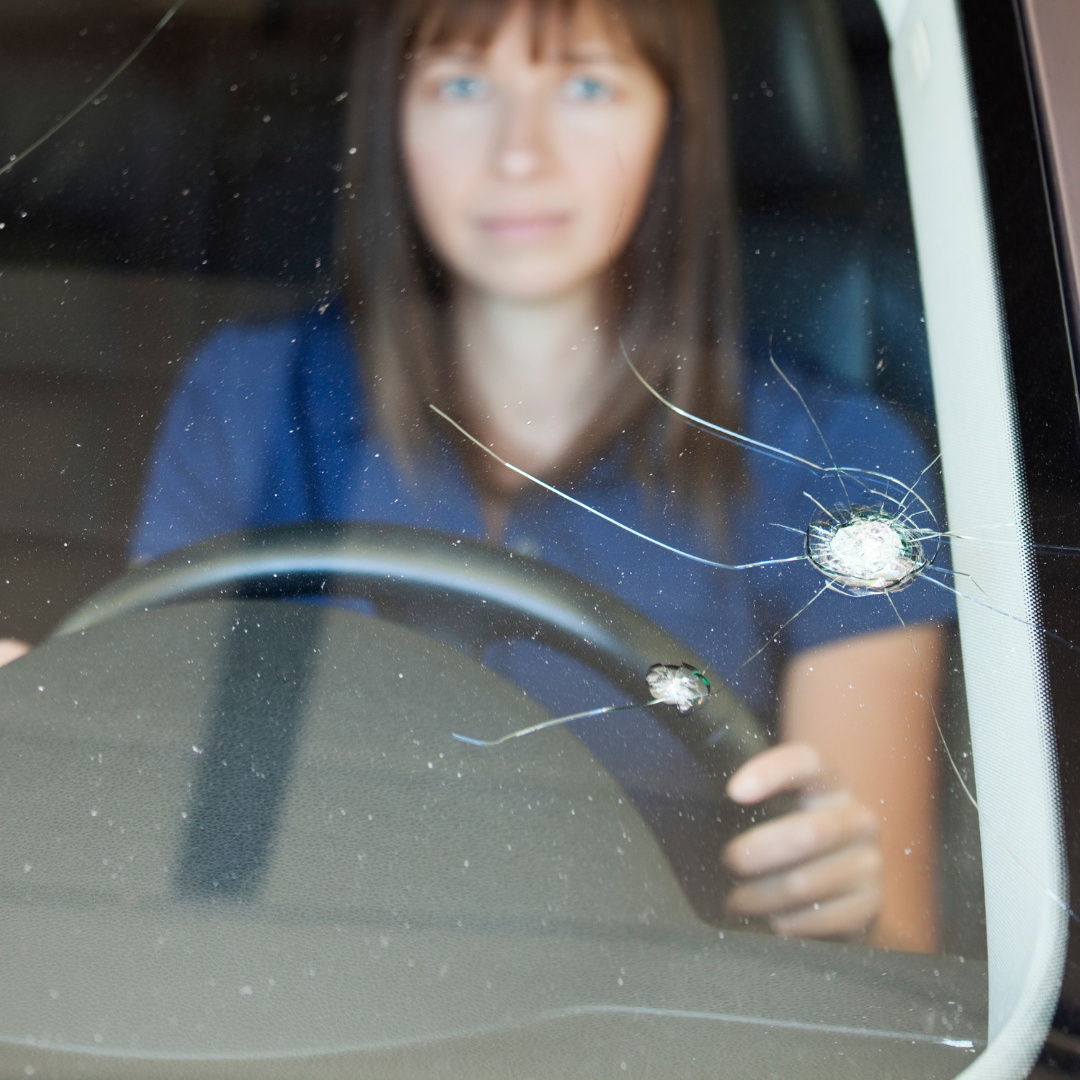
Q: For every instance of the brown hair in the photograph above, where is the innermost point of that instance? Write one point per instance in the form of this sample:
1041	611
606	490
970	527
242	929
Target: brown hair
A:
674	287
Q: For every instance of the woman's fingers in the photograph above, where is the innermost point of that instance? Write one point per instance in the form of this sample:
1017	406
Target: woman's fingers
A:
815	872
787	767
854	869
798	837
846	916
11	649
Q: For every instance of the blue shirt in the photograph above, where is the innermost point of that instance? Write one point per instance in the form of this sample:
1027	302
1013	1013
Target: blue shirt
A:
268	426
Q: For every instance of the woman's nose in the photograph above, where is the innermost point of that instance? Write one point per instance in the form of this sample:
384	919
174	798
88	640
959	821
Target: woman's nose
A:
518	163
522	149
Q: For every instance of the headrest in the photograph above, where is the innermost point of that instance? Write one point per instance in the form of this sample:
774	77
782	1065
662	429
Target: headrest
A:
793	96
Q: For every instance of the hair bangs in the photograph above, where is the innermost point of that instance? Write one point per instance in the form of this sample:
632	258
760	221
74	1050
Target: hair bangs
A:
474	23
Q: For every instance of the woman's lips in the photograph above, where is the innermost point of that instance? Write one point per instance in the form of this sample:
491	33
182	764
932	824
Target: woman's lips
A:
522	228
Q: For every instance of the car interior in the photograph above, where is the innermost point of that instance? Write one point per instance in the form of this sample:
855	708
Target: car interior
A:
202	188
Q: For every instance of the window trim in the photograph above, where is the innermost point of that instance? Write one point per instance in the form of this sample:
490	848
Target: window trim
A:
991	462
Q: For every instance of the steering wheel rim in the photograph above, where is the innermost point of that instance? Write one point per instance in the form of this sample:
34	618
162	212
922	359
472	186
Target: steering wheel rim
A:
455	589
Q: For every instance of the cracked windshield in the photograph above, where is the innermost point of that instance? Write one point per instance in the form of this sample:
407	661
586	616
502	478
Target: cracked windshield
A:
477	584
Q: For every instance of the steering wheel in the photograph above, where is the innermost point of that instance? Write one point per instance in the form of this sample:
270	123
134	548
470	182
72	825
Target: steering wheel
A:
464	593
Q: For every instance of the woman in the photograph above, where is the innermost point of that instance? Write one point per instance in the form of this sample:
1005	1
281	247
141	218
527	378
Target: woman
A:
531	182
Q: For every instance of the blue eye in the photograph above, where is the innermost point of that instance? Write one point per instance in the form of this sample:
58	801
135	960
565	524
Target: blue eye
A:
464	88
587	88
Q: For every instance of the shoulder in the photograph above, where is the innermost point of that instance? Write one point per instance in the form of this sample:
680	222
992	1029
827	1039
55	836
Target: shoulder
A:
261	358
807	426
257	403
258	383
790	408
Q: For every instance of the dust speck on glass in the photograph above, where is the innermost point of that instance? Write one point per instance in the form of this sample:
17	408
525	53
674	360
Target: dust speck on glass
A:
333	445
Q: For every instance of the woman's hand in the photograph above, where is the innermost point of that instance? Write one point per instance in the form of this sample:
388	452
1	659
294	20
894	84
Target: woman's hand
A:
12	649
815	872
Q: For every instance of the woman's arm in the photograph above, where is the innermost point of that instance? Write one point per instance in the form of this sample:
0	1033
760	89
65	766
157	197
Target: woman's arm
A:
860	741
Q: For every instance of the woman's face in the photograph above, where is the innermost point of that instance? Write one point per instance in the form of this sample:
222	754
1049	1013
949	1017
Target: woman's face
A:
528	175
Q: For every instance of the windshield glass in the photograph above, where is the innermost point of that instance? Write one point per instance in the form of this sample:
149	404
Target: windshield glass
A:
478	581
